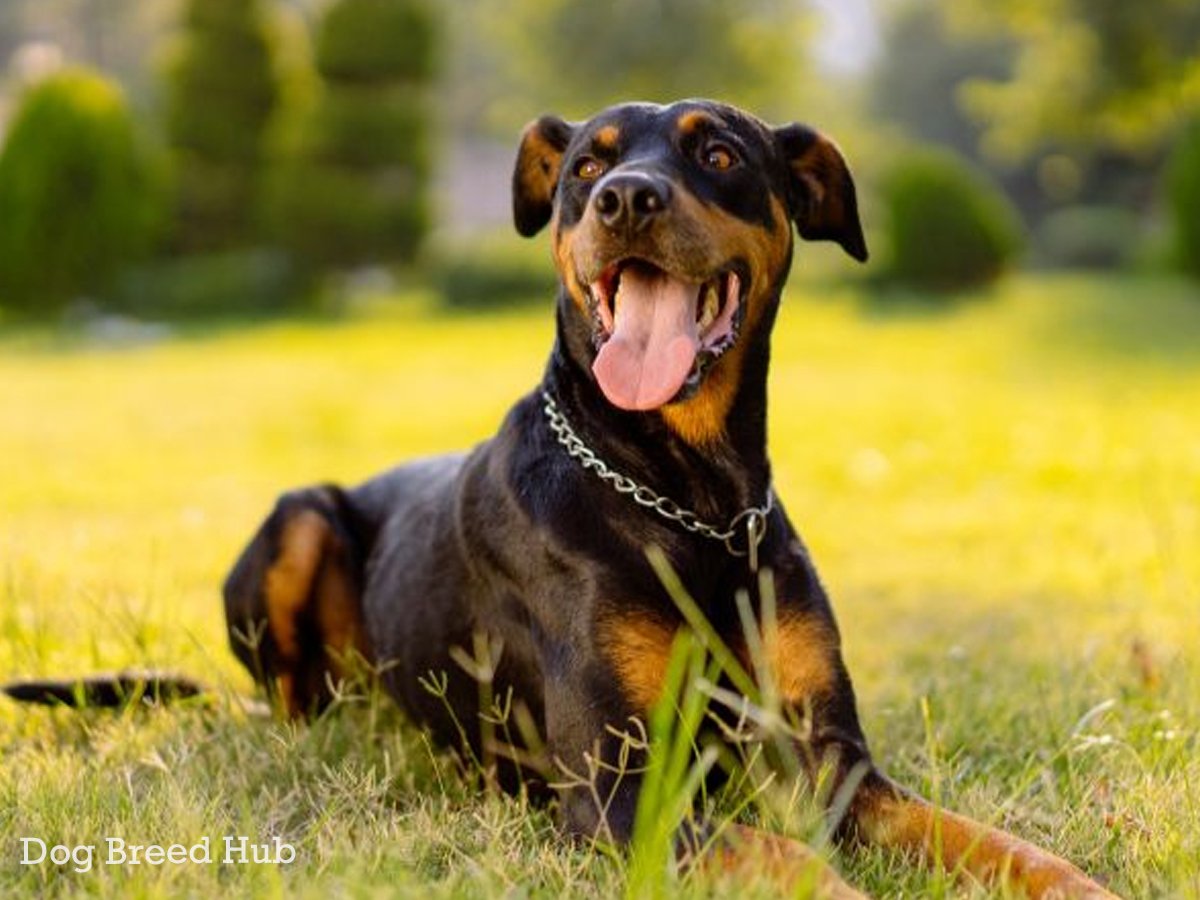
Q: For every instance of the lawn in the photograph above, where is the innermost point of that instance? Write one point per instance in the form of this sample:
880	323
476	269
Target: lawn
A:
1003	496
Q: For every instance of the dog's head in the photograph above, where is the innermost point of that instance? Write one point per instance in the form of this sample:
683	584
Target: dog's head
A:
672	237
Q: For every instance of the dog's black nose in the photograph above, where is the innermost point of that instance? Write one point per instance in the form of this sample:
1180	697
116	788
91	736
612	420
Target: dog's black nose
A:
630	199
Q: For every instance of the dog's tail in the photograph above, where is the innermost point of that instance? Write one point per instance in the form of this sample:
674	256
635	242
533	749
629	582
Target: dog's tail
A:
107	690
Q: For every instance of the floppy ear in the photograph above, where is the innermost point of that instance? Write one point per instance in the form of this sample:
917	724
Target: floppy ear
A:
543	143
821	190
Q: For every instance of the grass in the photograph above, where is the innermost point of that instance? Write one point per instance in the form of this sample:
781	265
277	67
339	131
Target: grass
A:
1003	497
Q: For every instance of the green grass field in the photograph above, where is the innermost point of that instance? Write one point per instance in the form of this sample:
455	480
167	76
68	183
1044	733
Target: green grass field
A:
1003	497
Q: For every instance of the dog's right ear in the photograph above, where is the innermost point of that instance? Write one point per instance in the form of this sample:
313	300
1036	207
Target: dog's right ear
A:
543	143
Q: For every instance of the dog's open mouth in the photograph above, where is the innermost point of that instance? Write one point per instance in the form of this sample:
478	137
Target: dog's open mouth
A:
658	333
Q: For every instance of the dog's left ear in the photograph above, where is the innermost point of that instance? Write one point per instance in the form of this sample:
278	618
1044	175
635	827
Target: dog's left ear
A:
535	175
820	189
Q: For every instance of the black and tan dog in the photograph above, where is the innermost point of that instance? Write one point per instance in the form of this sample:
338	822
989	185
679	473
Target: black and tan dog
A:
672	234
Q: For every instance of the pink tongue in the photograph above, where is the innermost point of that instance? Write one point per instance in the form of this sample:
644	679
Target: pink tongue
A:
654	340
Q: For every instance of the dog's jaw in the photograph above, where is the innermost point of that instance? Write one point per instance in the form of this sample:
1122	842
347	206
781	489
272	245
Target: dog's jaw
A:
669	329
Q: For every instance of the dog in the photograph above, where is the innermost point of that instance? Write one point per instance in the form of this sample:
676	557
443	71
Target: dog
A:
672	235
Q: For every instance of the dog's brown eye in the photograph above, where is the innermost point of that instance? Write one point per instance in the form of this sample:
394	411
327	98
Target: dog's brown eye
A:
589	169
719	157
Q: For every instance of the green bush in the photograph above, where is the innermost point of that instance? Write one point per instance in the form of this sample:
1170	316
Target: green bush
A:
332	215
79	196
368	126
1088	237
950	227
356	191
493	271
1183	197
378	40
239	283
222	91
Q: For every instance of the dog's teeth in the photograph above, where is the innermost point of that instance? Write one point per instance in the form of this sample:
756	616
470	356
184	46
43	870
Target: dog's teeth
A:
710	305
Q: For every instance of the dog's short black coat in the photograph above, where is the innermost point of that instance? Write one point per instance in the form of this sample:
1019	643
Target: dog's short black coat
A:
517	541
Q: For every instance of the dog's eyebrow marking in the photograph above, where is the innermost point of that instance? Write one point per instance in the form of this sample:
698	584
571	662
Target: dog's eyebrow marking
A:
694	119
607	137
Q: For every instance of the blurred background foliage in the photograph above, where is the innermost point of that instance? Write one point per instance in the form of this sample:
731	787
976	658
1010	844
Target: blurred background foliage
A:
353	186
950	228
260	154
220	93
79	194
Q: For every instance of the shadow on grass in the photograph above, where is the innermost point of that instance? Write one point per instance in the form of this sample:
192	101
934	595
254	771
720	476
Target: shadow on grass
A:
1151	319
1148	318
880	301
114	332
90	329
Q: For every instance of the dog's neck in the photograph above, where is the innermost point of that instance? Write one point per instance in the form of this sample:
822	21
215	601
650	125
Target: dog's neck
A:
715	479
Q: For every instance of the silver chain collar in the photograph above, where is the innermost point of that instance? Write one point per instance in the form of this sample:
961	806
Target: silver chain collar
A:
750	522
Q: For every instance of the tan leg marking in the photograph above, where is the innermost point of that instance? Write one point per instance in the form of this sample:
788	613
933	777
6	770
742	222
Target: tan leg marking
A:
286	684
338	611
993	856
309	576
289	581
788	863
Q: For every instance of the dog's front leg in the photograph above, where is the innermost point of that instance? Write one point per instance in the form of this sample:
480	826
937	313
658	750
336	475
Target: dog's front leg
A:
755	854
800	656
885	814
599	781
596	768
601	769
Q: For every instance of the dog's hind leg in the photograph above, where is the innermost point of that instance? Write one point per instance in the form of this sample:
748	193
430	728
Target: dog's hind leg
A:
293	601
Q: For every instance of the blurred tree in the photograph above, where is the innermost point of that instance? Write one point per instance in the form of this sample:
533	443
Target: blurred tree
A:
917	84
78	194
917	79
356	189
950	227
1111	72
1183	197
222	91
577	57
935	57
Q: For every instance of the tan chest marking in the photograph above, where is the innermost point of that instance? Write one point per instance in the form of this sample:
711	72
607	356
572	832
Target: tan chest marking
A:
638	647
799	655
800	652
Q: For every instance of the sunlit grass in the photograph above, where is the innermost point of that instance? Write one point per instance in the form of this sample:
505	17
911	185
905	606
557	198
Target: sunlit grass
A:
1002	496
